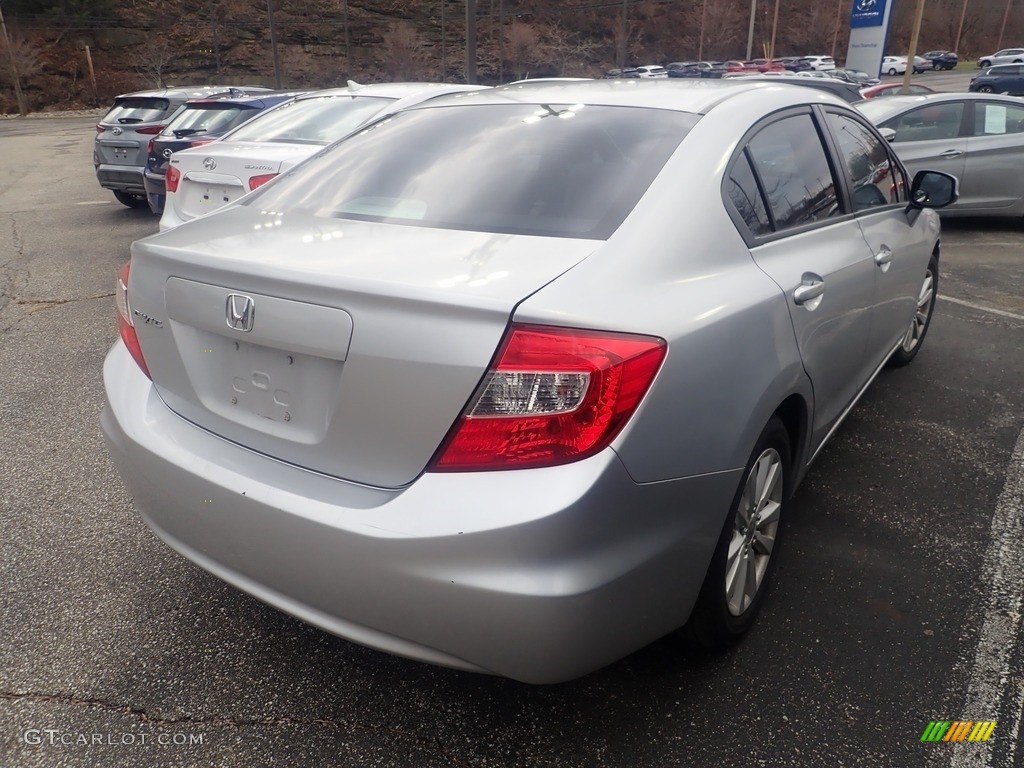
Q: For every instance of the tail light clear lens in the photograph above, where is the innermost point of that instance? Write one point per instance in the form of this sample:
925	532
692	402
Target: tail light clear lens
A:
124	319
172	178
259	181
150	130
553	395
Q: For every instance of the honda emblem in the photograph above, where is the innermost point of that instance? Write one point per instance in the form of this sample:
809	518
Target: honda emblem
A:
241	311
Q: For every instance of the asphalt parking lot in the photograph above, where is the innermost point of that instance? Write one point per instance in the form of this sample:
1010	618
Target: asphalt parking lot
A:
897	601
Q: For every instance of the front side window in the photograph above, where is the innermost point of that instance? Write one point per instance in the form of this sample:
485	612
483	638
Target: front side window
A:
791	163
557	170
929	123
874	177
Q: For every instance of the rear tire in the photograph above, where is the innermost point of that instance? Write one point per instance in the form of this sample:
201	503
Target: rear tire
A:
132	201
984	89
922	319
892	71
744	558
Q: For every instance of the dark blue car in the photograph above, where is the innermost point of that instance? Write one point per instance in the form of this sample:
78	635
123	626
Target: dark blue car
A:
200	122
1002	78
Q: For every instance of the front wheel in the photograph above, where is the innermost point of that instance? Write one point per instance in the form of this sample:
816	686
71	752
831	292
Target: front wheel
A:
736	581
132	201
914	337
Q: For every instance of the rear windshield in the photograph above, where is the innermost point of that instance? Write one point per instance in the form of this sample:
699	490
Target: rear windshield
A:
311	121
134	109
206	118
553	170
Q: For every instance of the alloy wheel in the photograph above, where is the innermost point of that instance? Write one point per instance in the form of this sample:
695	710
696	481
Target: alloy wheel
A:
923	314
755	526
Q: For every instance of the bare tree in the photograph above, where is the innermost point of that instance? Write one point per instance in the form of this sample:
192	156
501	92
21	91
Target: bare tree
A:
523	47
404	52
567	47
25	56
153	61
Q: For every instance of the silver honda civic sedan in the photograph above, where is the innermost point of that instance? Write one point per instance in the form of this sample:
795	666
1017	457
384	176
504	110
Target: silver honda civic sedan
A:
518	381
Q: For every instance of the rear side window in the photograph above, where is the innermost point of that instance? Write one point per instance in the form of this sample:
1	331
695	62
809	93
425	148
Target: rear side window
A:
134	109
746	197
794	171
557	170
996	119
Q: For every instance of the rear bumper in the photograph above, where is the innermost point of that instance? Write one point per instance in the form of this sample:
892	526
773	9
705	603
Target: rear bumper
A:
156	191
540	575
123	178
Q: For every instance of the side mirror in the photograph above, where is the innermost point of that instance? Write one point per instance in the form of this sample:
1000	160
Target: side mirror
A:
933	189
888	134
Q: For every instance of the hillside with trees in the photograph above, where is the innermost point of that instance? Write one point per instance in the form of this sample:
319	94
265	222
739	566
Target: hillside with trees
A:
75	53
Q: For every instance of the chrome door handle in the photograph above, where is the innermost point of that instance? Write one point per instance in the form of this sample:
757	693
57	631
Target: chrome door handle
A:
808	290
951	153
884	256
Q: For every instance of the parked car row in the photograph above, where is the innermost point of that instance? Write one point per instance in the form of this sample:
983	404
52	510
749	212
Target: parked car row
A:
464	387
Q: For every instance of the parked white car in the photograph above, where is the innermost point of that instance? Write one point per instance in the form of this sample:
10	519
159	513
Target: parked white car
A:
651	70
204	179
820	63
893	65
1005	56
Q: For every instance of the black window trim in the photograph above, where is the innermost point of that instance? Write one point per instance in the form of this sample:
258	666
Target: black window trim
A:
847	182
838	175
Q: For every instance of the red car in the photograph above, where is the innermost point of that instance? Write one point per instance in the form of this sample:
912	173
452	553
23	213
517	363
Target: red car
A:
893	89
740	66
766	65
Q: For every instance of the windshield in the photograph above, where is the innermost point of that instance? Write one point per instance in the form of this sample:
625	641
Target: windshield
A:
136	110
206	118
311	121
554	170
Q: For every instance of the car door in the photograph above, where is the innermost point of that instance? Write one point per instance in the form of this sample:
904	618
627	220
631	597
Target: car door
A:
784	194
992	181
932	137
899	243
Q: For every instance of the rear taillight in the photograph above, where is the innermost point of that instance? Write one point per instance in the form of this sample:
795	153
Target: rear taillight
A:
149	147
553	395
100	128
199	142
172	178
259	181
124	319
150	130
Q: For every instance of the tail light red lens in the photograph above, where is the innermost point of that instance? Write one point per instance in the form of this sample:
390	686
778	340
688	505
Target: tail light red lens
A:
124	319
199	142
150	130
100	128
259	181
172	178
552	396
149	147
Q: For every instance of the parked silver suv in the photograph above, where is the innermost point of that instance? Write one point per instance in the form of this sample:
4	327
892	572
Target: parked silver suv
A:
122	136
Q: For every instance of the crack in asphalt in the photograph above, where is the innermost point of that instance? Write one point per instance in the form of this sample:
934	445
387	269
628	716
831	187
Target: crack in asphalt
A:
37	305
226	721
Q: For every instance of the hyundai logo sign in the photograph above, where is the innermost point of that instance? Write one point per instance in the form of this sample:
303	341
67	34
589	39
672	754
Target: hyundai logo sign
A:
209	163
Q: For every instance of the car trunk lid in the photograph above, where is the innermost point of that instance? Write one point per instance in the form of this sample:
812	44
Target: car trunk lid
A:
346	347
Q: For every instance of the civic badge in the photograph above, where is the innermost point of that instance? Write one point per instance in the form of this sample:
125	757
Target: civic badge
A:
209	163
241	311
117	131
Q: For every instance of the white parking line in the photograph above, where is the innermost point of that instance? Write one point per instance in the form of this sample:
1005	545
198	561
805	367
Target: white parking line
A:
992	677
94	202
981	308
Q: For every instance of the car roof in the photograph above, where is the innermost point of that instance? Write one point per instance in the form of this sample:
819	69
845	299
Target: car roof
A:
252	98
678	94
191	92
389	90
883	109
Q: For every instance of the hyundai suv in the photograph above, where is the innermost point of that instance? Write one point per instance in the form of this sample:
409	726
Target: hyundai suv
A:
122	136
